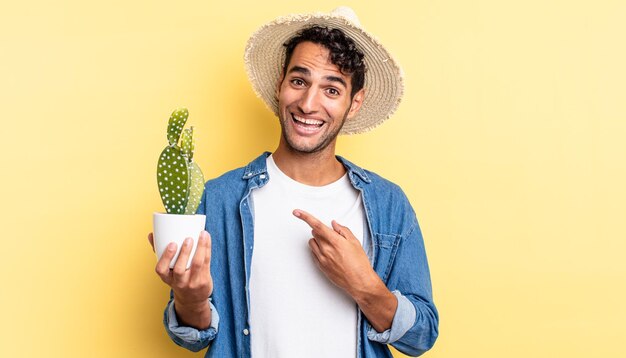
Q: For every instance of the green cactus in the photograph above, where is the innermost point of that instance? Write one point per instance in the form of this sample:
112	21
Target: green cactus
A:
180	180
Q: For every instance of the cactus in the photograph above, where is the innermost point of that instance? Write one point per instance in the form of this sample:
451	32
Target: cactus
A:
180	179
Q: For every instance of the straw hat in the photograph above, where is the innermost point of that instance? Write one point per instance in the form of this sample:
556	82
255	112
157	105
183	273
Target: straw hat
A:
265	54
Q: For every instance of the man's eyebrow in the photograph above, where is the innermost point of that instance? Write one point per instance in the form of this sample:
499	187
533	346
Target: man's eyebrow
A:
299	69
336	79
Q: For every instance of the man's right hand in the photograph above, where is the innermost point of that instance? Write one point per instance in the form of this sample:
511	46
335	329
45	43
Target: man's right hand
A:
192	287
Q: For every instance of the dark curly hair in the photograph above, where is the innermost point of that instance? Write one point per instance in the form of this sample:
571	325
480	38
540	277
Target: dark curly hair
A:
343	52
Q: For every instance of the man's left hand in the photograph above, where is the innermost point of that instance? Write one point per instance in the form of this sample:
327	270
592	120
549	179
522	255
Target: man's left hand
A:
339	255
342	259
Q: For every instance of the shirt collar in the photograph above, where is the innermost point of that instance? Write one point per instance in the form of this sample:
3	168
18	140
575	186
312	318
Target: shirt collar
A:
256	167
353	170
259	166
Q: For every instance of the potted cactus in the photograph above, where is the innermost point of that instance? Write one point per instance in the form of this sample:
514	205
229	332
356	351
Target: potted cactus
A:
181	185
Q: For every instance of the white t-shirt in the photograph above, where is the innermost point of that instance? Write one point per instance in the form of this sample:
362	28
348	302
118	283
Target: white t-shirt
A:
295	311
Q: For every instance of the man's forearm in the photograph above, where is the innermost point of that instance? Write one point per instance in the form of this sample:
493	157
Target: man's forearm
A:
376	302
196	315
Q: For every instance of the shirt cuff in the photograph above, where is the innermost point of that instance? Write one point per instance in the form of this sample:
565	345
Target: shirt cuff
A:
403	320
189	334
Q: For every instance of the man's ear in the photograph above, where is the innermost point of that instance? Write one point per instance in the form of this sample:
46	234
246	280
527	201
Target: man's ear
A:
357	101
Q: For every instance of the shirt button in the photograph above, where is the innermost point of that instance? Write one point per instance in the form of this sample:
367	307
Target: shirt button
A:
245	332
262	176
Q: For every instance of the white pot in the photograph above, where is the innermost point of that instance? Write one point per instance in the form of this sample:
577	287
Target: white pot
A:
176	228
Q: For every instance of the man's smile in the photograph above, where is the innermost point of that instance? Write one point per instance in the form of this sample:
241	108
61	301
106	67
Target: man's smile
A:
307	125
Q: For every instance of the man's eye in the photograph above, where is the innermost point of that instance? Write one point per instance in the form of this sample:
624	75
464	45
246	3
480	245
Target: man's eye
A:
333	91
297	82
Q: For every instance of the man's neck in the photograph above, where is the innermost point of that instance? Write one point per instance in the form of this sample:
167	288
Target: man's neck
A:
315	169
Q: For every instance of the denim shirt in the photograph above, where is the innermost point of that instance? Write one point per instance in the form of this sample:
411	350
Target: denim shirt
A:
397	255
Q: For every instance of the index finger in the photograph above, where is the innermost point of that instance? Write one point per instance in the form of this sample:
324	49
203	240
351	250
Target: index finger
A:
163	265
311	220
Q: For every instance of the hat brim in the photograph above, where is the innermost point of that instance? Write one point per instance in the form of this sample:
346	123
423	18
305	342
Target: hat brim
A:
384	87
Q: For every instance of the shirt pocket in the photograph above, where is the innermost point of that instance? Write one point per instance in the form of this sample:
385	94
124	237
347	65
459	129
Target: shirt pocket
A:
386	248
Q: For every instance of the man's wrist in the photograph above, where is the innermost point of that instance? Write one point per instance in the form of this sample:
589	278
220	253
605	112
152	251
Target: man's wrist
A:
191	305
376	302
367	288
193	314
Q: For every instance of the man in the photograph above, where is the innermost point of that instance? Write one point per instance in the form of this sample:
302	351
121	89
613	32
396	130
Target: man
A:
308	254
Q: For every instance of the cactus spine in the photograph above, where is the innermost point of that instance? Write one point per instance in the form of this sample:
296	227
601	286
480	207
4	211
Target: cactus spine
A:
180	179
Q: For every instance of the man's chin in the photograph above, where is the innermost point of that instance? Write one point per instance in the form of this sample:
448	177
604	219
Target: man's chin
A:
305	144
306	147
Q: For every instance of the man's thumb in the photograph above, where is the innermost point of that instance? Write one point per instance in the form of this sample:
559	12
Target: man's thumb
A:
340	229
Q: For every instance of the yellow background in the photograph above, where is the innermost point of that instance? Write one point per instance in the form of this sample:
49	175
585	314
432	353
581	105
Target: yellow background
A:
509	144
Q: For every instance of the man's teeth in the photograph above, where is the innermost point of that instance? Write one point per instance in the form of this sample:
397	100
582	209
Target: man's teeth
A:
308	121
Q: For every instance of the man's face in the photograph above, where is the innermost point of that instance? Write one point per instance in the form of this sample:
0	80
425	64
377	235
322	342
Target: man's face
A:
314	99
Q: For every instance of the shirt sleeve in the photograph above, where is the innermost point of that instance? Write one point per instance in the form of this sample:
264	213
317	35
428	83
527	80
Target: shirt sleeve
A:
403	320
189	337
411	276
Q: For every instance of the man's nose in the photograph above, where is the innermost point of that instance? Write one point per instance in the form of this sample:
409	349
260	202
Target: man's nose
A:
309	102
